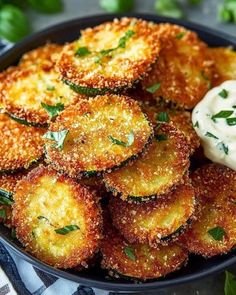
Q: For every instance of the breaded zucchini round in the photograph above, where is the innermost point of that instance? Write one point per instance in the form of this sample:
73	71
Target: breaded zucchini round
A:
56	219
139	261
183	71
35	94
101	133
155	173
7	189
110	56
214	230
179	118
21	145
156	221
224	64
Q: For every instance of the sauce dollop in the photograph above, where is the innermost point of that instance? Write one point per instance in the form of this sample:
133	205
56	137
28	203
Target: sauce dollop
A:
214	120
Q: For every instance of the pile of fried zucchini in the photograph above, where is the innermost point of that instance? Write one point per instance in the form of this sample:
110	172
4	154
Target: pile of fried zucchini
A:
99	160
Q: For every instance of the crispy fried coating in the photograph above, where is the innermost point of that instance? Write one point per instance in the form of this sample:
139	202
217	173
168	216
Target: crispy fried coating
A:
183	69
104	132
46	201
114	54
214	230
139	260
224	64
21	145
156	221
162	166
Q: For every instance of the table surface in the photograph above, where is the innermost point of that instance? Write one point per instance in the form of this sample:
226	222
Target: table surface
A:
206	14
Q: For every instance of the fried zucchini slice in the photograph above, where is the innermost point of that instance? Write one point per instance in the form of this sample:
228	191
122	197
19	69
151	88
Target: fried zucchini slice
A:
56	219
156	221
224	64
183	71
7	189
157	171
139	261
26	90
21	145
214	230
110	56
181	119
103	133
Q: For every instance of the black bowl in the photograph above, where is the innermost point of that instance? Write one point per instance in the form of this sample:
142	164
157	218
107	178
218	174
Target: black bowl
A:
197	267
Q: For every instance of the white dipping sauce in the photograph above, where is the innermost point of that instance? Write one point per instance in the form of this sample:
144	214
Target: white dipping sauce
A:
214	120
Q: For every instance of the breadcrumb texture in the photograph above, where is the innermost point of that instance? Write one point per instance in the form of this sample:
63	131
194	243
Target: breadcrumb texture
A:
123	66
91	123
150	222
215	188
183	69
62	202
224	64
162	166
148	263
21	145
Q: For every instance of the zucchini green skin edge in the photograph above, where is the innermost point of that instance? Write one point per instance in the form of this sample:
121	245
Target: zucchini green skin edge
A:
26	123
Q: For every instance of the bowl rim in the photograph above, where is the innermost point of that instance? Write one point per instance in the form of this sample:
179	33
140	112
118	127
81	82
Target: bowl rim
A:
93	282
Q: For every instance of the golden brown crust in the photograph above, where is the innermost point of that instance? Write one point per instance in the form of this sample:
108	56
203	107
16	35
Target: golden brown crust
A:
91	123
183	69
154	221
162	166
124	67
224	64
62	202
216	190
147	263
21	145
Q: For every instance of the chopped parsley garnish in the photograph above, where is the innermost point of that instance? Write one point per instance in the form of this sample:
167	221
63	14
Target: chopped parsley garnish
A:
163	117
129	252
223	147
3	214
231	121
125	38
120	142
209	134
51	88
223	93
82	51
65	230
180	35
222	115
153	88
161	137
53	110
196	124
57	136
6	197
217	233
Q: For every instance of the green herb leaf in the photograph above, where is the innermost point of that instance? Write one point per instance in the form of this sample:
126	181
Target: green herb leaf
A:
120	142
223	147
129	252
170	8
123	40
6	197
58	136
51	88
231	121
153	88
163	117
13	233
209	134
196	125
230	283
161	137
217	233
65	230
13	23
82	51
3	214
227	12
53	111
223	93
180	35
47	6
117	5
222	115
